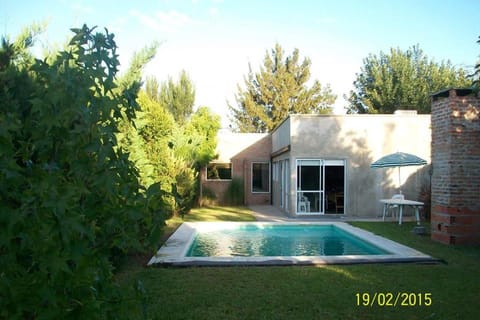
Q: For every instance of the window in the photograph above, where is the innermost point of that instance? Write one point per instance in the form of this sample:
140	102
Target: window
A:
219	171
260	177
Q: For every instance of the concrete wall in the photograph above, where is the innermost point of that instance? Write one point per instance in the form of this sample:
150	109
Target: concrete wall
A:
456	167
281	136
360	140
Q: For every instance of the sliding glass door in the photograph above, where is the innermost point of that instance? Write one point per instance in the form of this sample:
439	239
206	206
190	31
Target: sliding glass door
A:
317	181
310	186
284	182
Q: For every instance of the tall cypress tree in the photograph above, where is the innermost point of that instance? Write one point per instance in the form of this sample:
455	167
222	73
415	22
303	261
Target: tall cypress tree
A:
178	97
280	88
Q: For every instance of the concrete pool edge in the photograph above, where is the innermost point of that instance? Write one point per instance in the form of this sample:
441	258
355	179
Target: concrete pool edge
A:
173	251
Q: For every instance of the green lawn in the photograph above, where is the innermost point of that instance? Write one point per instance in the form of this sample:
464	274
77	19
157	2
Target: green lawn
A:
209	214
218	214
312	292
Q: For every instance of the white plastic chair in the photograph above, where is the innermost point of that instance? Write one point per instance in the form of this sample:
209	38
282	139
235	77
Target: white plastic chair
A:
392	207
303	204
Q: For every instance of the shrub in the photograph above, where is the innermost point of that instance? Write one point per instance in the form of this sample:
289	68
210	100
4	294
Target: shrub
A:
235	192
70	199
208	197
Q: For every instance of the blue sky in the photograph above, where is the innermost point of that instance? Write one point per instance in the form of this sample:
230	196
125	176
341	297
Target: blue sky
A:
214	40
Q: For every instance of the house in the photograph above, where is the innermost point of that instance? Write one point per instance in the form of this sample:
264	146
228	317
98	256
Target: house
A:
320	164
241	157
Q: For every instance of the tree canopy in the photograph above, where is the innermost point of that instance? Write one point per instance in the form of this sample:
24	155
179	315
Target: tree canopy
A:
203	128
180	146
277	90
177	97
401	80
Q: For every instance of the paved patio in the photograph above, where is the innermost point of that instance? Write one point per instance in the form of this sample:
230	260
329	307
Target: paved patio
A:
270	213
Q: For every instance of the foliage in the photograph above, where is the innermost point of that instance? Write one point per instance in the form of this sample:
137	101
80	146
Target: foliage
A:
169	154
152	88
183	189
476	74
208	197
235	192
401	80
280	88
18	50
194	146
70	199
178	98
153	140
132	76
203	128
147	139
166	150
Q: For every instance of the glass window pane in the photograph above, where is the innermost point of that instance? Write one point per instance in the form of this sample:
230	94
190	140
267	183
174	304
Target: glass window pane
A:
219	171
309	177
261	177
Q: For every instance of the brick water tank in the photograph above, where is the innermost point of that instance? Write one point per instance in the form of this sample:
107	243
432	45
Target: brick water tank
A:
455	149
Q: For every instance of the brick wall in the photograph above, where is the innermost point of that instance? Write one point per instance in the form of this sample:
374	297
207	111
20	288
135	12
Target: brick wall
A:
258	151
217	187
456	167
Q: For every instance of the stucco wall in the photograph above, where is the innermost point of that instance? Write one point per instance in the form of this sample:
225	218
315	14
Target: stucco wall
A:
360	140
281	136
357	139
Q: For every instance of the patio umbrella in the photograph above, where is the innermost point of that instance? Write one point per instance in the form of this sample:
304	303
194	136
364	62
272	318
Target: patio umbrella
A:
398	159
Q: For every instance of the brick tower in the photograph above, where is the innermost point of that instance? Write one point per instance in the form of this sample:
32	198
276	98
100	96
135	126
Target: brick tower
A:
456	167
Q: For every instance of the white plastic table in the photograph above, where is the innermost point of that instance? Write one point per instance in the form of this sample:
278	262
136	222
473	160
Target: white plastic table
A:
401	203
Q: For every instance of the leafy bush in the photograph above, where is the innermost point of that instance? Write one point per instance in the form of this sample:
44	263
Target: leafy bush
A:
208	197
235	192
70	199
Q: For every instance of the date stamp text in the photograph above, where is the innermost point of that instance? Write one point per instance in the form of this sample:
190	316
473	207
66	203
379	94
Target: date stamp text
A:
393	299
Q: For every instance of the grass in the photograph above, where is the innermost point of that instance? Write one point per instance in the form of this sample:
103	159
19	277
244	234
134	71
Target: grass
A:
312	292
212	213
220	214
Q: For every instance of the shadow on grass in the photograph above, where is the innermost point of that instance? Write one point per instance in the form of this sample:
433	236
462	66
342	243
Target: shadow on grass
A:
404	235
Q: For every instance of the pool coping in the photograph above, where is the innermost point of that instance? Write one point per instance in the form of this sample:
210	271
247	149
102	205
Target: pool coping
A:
173	251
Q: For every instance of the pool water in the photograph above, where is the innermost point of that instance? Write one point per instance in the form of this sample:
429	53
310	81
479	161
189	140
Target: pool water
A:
280	240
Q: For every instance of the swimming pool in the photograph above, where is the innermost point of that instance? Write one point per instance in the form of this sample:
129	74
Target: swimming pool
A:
279	240
279	243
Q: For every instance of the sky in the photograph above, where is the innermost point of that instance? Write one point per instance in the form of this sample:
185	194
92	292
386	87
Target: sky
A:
216	40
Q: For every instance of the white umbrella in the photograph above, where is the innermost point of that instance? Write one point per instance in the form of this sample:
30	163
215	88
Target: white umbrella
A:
398	159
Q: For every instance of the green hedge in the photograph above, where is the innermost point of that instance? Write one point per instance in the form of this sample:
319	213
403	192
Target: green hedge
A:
70	200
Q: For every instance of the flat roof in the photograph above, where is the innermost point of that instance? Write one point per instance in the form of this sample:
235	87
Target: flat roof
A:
399	113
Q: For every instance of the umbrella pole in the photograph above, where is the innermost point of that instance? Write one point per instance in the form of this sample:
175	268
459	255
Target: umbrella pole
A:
399	181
